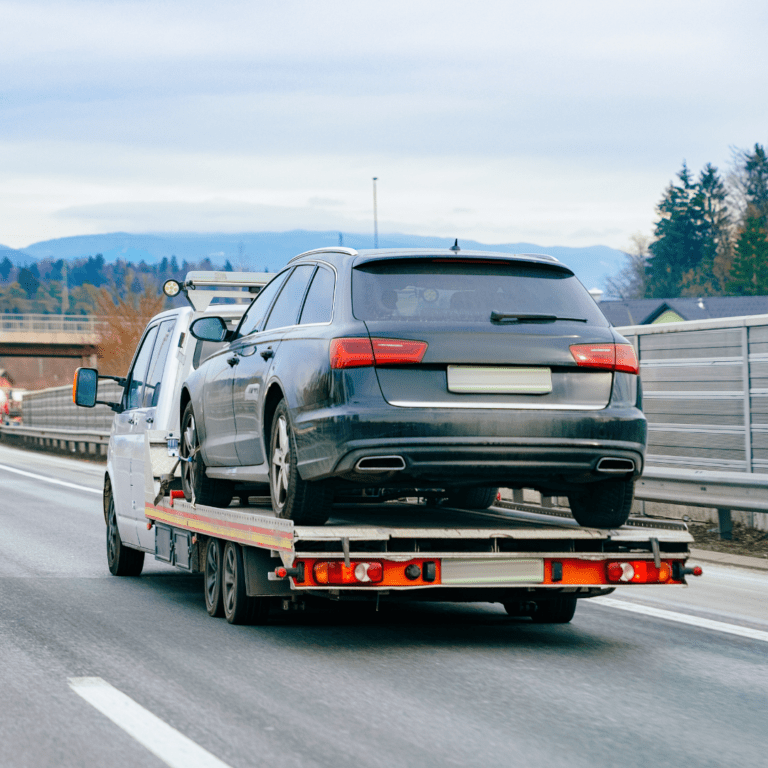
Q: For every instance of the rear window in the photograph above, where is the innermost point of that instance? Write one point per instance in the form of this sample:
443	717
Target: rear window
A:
436	290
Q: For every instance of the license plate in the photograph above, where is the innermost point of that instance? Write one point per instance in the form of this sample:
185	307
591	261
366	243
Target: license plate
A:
478	572
485	380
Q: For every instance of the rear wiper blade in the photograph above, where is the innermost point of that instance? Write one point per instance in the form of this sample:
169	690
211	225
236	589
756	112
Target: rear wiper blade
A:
518	317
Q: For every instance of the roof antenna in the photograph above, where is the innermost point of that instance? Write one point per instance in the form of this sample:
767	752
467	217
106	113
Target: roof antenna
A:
455	247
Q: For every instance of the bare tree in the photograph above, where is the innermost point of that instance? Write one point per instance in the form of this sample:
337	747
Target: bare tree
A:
124	320
630	281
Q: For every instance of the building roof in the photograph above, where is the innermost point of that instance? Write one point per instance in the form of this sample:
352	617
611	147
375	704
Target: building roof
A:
648	311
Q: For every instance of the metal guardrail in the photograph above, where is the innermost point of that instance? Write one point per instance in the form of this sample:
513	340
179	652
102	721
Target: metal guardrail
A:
84	441
724	491
39	323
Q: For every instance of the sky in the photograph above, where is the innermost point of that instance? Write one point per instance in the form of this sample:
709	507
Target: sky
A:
555	122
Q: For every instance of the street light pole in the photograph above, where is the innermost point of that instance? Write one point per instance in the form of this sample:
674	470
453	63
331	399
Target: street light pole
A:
375	216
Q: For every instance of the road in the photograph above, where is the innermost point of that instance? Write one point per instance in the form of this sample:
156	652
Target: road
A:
416	685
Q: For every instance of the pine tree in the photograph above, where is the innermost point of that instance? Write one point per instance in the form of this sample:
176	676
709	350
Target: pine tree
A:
5	268
749	272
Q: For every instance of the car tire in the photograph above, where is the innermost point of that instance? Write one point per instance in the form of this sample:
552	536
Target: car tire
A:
122	560
212	578
303	501
472	498
239	608
605	504
554	610
197	487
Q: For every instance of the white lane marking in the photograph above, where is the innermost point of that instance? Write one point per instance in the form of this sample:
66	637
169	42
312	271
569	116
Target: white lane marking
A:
683	618
50	479
163	741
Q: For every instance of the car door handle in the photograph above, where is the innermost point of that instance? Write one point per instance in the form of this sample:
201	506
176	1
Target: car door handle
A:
234	360
267	353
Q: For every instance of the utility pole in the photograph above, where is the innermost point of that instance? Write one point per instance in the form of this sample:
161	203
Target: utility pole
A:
64	290
375	216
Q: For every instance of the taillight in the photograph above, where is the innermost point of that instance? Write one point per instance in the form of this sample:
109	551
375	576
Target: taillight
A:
357	352
638	572
611	357
336	572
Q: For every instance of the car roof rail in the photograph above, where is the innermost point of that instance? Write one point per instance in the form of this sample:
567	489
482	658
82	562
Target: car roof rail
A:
201	288
329	249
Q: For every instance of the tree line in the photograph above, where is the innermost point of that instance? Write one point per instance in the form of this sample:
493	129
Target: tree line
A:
78	287
710	237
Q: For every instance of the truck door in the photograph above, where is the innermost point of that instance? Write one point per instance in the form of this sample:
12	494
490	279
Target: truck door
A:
146	417
122	436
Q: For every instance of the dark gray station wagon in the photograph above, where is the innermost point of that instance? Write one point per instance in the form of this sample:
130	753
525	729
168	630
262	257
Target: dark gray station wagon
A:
378	374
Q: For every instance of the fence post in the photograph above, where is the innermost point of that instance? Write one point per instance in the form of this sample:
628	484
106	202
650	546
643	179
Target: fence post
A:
725	524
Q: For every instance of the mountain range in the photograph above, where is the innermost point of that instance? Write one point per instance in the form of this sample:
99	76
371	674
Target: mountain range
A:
268	251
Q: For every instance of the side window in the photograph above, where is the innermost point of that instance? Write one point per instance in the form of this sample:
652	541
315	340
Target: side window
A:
258	309
318	306
286	309
135	390
157	363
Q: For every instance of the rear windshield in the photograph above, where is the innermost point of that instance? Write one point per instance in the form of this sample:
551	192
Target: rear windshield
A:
436	290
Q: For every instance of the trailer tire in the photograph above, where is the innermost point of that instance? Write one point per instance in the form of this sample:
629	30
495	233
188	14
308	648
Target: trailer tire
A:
605	504
554	610
472	498
214	602
197	486
239	608
303	501
122	560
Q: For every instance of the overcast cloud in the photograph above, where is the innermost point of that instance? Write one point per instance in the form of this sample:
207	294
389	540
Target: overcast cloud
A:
557	122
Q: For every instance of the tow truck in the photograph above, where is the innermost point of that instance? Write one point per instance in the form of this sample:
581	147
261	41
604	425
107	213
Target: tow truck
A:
534	560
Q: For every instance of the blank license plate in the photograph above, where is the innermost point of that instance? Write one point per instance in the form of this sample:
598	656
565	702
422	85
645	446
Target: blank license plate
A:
474	572
485	380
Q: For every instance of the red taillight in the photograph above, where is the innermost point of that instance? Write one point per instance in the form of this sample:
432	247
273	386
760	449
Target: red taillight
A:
611	357
638	572
336	572
357	352
351	353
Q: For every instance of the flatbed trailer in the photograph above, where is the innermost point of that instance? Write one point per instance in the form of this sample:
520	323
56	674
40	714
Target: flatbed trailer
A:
533	563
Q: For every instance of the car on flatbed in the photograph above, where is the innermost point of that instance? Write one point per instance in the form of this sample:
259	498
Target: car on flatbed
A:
378	374
253	560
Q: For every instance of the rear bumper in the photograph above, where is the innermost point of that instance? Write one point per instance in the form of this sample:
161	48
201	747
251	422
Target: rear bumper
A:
536	448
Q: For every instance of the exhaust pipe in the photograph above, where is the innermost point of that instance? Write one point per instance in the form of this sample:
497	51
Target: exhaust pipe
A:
380	464
612	465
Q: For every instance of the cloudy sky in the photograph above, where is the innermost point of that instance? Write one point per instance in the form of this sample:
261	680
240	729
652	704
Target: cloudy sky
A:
555	122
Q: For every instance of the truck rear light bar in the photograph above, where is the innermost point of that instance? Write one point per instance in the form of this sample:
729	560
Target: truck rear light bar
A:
639	572
420	572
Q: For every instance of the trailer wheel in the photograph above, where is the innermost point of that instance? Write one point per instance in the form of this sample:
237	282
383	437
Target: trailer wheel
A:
122	560
472	498
555	610
214	602
605	504
304	502
197	486
238	607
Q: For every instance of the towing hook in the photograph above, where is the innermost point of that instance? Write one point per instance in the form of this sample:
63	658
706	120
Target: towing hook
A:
281	572
679	571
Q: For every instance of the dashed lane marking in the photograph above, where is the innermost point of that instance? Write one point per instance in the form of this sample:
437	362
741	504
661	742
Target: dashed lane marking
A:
682	618
163	741
35	476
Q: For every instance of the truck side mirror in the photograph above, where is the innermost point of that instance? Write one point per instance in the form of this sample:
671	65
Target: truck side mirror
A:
85	387
209	329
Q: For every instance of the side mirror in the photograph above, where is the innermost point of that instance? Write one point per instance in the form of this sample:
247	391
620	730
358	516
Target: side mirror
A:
85	387
209	329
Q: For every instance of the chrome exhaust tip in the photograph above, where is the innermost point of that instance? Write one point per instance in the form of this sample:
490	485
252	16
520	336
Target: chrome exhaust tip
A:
380	464
613	465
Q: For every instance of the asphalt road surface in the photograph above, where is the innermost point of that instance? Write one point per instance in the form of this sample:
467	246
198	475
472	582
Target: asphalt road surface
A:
104	671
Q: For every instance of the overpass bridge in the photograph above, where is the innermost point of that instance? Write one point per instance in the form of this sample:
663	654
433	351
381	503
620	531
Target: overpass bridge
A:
33	335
